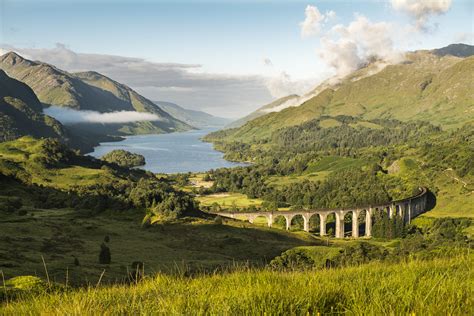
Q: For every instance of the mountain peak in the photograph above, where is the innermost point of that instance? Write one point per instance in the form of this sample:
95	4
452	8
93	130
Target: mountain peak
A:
12	58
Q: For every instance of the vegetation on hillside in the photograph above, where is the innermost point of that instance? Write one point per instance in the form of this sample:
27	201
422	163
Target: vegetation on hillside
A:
63	178
124	158
426	87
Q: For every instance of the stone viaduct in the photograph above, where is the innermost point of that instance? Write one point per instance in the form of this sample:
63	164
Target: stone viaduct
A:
407	209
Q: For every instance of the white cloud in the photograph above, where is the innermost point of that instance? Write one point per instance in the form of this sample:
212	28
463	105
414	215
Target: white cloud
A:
281	85
314	21
70	116
347	48
422	10
184	84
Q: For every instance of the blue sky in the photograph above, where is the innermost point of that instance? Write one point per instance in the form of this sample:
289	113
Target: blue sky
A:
227	38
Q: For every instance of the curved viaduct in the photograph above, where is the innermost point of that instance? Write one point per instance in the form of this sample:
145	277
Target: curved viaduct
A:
407	209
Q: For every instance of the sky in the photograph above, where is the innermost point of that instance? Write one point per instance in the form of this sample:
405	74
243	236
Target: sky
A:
227	57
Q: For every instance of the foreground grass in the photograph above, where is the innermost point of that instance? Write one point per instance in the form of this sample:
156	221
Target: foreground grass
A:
435	287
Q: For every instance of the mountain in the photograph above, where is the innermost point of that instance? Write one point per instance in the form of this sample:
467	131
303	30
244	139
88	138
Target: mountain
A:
88	91
262	111
458	50
21	115
194	118
426	86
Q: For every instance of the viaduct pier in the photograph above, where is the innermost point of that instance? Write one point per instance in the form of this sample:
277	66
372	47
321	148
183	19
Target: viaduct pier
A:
406	209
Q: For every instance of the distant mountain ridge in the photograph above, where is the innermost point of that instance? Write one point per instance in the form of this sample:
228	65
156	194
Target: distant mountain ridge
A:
458	50
194	118
435	86
88	91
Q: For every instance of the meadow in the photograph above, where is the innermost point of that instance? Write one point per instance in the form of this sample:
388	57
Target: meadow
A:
442	286
61	236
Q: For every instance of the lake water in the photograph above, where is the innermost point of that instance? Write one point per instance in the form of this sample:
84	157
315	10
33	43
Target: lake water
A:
171	153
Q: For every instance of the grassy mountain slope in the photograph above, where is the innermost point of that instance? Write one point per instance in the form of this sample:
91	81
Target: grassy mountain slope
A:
262	111
194	118
87	91
427	87
21	115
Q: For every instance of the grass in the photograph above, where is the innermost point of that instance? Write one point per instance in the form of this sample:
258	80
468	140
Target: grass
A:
58	235
434	287
454	195
318	170
334	163
229	199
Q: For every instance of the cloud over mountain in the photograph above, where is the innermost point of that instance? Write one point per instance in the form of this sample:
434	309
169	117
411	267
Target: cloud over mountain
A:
70	116
184	84
346	48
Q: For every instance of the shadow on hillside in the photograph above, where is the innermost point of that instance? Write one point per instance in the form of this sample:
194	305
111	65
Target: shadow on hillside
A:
430	201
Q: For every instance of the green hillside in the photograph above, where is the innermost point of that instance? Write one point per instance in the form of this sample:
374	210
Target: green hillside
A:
60	205
429	87
21	115
88	91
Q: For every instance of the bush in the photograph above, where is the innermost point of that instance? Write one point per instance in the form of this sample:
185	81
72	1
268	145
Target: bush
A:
104	255
361	253
218	220
292	259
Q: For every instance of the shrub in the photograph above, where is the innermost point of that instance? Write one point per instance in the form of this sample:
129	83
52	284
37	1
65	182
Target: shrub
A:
292	259
104	255
218	220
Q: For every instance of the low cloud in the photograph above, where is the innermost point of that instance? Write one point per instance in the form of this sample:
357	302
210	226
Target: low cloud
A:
422	10
314	21
70	116
185	84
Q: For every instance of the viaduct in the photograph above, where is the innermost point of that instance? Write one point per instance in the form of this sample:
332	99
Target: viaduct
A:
406	209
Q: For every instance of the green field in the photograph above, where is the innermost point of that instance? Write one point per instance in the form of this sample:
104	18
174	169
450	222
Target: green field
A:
318	170
433	287
228	200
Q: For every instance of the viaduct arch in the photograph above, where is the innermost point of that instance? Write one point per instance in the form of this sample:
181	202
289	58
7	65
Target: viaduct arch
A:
407	209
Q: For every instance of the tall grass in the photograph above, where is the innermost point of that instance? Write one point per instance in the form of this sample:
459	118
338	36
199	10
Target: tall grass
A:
435	287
